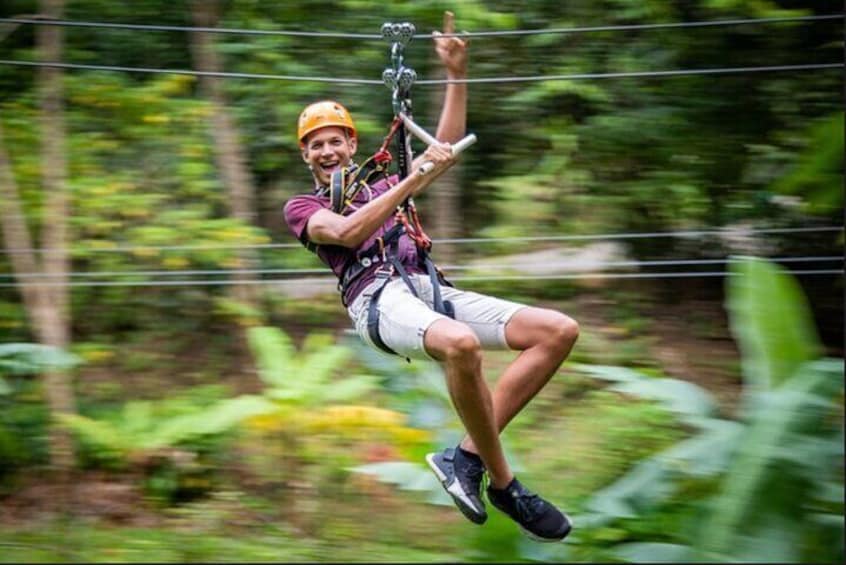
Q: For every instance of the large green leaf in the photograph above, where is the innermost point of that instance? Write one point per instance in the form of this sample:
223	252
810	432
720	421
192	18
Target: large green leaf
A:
771	321
274	354
99	434
314	370
644	486
24	358
407	476
780	413
350	388
706	454
682	397
609	372
219	418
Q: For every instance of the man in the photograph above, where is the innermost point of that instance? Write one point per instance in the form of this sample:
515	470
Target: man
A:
406	322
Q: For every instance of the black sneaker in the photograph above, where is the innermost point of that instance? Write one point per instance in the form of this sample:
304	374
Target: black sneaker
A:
461	476
538	519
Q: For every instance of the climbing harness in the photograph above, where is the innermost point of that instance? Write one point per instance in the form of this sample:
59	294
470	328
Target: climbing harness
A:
345	185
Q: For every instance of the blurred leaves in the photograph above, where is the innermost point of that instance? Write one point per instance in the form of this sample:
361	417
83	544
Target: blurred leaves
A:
33	358
553	158
771	322
774	465
303	378
817	175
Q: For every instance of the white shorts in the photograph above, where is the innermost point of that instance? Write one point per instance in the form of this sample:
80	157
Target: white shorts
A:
404	318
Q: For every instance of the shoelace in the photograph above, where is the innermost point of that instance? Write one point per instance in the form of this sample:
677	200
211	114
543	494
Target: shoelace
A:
474	474
529	506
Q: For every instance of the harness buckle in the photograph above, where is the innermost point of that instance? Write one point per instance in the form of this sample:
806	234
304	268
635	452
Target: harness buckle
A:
385	271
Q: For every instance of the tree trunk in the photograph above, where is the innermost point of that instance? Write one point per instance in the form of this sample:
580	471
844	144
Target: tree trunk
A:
46	305
229	153
446	205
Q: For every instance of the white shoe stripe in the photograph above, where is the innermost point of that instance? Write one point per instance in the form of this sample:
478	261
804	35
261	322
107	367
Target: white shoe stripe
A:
455	489
430	459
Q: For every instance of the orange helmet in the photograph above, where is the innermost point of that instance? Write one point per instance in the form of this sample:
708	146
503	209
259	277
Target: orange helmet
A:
322	114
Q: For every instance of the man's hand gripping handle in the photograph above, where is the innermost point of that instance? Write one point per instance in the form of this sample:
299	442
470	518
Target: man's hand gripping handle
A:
426	138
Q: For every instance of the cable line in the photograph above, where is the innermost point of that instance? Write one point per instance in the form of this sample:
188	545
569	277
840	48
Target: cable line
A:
613	276
634	74
360	81
631	27
582	237
334	281
151	27
641	235
374	36
189	72
322	271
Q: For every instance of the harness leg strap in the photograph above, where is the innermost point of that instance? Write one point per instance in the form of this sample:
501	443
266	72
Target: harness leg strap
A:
373	320
444	307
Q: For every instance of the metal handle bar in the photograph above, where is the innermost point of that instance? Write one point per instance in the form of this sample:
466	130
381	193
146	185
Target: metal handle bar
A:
428	139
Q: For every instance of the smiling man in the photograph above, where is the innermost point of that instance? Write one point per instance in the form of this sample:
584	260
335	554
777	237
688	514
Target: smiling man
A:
392	302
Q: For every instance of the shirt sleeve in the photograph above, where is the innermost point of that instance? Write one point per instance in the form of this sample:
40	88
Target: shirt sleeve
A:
297	212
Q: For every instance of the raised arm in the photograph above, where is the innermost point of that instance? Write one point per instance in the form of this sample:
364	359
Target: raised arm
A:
452	52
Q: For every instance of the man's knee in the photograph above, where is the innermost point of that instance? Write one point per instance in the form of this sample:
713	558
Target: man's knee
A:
565	329
448	340
464	345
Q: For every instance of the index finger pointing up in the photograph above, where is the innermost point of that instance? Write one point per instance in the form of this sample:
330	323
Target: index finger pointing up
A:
449	22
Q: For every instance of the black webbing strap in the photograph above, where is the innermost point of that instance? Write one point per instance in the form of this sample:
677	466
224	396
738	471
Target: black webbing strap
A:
373	314
366	259
386	274
441	306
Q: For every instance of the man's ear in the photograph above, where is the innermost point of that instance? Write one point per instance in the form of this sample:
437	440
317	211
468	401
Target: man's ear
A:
305	154
353	145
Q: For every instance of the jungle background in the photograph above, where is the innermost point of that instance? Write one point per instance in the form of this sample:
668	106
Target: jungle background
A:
177	377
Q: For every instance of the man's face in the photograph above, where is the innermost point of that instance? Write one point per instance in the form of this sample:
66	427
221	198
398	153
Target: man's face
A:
327	150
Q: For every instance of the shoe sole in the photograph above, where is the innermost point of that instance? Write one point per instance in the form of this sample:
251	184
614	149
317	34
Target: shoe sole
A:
535	537
468	512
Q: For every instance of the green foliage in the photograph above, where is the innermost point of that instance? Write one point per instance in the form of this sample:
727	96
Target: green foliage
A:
304	378
23	426
23	418
33	358
145	428
560	157
818	173
769	477
771	321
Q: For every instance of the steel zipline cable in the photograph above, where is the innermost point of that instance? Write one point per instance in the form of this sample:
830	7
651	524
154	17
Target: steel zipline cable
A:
429	82
423	82
332	281
448	268
536	78
374	36
460	241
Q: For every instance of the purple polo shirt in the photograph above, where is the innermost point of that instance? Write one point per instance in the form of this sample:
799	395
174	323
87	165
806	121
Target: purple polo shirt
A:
300	208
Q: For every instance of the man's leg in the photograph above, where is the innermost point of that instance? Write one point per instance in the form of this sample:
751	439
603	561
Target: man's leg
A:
458	348
544	338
